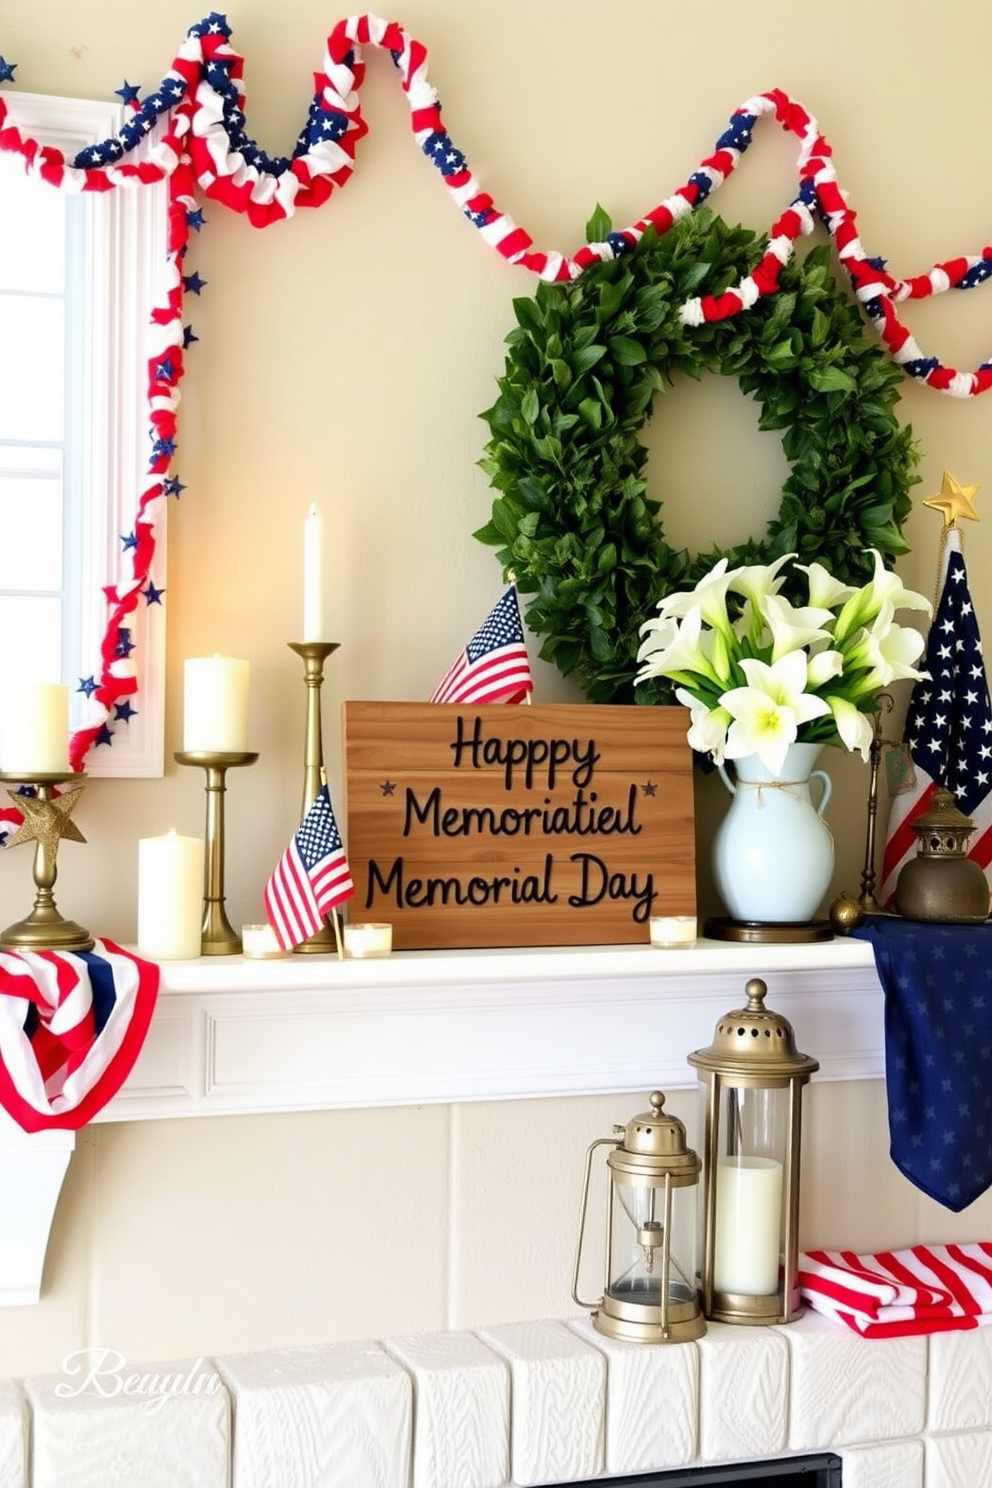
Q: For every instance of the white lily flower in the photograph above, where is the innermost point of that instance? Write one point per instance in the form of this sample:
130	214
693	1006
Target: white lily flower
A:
865	604
687	650
707	726
822	666
792	629
853	726
756	583
757	580
886	651
658	636
824	590
709	597
767	713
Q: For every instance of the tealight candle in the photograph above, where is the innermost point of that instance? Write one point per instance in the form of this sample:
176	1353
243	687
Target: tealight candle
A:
170	897
673	930
215	705
259	942
35	734
368	940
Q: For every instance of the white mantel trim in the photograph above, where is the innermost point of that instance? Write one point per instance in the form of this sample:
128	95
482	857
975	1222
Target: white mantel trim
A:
233	1036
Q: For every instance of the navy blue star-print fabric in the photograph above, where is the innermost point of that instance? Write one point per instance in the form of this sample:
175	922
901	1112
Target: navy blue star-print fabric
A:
937	981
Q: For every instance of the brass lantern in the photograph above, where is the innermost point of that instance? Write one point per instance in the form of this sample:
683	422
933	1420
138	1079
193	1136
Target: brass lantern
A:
752	1082
942	884
651	1293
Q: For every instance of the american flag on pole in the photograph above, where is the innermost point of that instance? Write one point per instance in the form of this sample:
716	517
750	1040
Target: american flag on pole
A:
311	878
948	732
494	666
72	1023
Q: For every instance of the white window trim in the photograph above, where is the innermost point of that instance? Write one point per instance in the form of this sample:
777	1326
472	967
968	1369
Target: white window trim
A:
127	234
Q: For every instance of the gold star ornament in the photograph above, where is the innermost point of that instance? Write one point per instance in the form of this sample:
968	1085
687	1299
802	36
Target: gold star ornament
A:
46	821
954	501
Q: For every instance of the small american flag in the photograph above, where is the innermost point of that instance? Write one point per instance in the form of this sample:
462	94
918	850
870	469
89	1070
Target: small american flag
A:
948	729
494	666
311	878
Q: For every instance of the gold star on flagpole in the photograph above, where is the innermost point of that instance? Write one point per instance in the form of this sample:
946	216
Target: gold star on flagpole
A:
46	821
954	501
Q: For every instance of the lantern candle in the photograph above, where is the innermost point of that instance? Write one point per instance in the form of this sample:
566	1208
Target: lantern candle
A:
368	940
35	736
170	896
215	705
748	1207
313	576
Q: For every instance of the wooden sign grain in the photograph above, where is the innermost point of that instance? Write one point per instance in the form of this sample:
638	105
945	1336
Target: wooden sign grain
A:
518	826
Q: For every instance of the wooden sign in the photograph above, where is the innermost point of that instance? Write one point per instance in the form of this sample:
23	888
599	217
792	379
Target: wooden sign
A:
518	826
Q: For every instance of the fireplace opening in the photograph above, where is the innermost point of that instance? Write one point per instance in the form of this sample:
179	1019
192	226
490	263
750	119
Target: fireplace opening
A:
822	1470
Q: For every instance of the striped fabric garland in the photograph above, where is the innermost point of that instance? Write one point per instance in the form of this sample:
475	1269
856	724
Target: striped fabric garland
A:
72	1023
190	130
894	1294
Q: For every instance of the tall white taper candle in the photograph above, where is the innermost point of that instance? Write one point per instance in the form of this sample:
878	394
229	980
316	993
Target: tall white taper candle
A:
313	577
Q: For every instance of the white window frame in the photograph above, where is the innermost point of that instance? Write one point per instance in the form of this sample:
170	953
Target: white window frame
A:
126	239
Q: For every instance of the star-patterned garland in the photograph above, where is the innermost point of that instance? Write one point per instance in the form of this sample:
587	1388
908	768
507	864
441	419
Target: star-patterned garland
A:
205	148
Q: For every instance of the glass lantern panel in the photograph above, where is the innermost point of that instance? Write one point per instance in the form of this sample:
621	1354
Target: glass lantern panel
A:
753	1145
641	1233
754	1122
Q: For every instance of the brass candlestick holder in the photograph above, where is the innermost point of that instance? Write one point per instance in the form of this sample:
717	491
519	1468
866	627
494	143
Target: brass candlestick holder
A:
47	819
314	654
218	937
867	900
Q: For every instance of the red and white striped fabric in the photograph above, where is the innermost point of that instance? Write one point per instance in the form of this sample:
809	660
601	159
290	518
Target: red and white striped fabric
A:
896	1293
72	1023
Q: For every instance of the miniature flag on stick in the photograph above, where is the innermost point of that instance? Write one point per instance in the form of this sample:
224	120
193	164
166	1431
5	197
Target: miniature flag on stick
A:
494	666
312	877
948	733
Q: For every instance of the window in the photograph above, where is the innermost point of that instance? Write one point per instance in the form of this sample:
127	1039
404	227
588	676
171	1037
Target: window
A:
78	280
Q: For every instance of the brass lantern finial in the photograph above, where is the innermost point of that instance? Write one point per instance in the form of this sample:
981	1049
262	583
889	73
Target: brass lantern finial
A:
754	1039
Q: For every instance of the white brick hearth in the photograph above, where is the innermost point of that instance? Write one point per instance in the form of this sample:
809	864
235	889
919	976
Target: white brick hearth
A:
525	1403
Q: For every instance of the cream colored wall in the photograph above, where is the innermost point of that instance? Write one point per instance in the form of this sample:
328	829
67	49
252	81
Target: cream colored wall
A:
344	357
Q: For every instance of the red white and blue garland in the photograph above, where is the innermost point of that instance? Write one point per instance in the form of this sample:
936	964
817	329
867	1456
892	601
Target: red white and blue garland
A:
205	152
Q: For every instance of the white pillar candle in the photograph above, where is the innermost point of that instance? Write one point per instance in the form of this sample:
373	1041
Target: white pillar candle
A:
35	733
170	897
748	1223
313	577
368	940
215	705
673	930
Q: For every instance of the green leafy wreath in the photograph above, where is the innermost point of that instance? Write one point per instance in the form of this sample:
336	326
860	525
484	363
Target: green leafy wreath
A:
572	519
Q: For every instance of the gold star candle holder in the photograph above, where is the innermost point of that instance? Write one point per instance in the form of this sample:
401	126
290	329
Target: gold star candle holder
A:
47	819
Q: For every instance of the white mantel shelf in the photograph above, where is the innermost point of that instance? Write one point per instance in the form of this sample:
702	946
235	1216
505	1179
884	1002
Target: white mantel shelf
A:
232	1036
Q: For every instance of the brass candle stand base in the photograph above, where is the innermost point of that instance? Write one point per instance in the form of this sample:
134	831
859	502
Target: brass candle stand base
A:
314	654
47	819
218	937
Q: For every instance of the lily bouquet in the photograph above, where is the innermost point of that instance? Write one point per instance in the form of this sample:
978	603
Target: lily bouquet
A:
759	673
